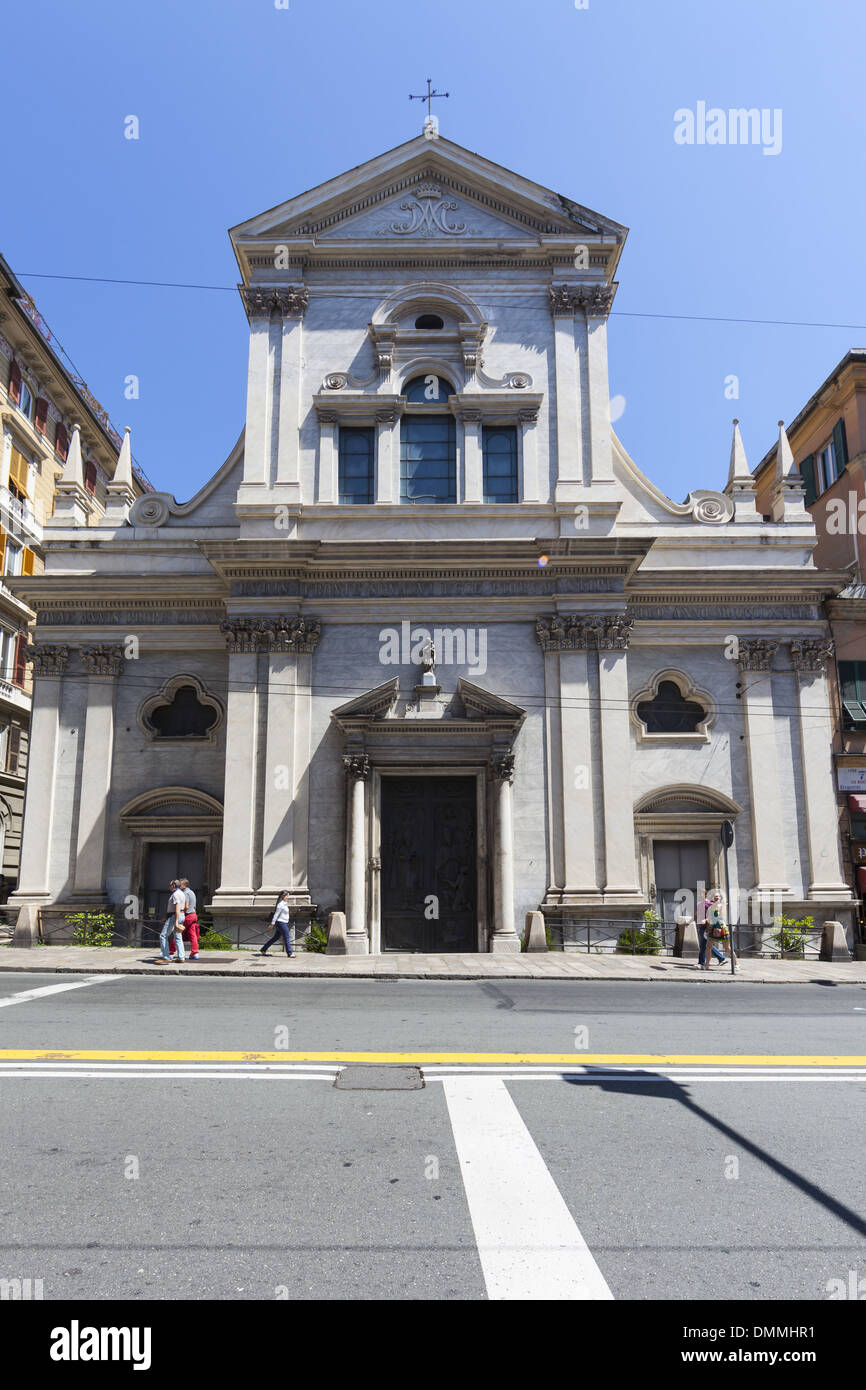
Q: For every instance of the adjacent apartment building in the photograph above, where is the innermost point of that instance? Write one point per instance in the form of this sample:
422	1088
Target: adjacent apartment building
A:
50	422
828	442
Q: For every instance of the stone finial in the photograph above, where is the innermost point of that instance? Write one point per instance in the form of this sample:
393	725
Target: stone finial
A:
741	485
120	492
811	654
72	502
73	468
756	653
788	494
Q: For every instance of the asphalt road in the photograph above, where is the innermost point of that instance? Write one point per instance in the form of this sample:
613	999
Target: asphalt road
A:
238	1181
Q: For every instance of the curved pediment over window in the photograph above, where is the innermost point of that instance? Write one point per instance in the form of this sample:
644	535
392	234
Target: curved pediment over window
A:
672	707
181	712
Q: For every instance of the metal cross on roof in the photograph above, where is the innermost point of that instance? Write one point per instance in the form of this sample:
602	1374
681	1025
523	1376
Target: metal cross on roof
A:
428	96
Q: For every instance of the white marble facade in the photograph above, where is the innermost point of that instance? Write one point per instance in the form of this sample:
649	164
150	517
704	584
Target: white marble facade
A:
299	622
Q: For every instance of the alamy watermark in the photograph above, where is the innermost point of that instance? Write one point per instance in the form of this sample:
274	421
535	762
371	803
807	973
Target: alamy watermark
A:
737	126
451	646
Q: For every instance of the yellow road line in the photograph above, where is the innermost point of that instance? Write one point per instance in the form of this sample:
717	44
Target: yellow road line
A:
606	1059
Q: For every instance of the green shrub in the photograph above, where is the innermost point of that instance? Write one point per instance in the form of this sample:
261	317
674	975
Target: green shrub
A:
641	941
210	940
316	938
790	937
91	928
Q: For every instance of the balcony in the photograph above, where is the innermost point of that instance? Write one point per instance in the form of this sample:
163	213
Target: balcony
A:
19	517
12	694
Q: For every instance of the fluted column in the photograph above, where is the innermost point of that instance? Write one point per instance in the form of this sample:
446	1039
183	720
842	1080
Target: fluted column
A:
103	664
357	935
755	662
34	872
826	876
504	937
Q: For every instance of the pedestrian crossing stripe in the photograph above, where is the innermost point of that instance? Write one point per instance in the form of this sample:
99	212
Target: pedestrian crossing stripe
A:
420	1059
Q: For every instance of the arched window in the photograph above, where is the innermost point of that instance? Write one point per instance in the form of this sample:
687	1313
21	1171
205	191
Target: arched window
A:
428	442
669	712
428	390
429	321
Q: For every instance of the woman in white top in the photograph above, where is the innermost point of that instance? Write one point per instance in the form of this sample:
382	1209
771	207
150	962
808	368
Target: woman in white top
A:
282	926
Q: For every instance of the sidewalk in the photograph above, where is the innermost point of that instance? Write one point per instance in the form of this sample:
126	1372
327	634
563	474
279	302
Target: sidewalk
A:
555	966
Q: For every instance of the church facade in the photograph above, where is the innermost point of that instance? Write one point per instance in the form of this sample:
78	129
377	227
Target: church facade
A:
429	648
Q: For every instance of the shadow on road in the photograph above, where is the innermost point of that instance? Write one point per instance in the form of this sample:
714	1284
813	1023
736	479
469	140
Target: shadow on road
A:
664	1089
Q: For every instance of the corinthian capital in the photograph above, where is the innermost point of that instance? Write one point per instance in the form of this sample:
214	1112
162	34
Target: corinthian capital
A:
290	301
106	659
286	634
582	632
811	653
756	653
592	299
357	766
48	660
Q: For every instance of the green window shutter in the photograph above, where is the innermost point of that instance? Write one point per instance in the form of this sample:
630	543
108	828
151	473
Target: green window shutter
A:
840	447
807	473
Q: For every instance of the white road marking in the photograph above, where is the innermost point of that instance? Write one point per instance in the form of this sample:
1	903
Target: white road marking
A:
26	995
327	1071
528	1241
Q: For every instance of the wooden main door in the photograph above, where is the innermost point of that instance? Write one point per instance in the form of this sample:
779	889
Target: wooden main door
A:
680	864
429	864
165	862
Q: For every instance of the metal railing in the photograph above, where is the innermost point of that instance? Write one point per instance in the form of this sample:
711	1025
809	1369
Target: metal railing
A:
142	933
619	936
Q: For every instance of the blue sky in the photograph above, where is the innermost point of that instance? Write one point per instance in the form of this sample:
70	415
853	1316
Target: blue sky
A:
242	105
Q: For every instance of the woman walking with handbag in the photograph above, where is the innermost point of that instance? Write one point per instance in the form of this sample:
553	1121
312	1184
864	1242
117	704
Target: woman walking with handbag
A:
717	931
282	926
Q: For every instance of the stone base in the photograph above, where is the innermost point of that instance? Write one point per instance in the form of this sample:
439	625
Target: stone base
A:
26	931
688	943
834	942
535	936
357	945
504	943
337	939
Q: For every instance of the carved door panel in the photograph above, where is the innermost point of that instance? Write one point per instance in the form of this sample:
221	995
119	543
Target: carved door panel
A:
429	864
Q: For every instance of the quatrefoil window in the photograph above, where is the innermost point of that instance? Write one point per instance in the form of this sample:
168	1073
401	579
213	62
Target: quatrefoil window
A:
669	712
182	712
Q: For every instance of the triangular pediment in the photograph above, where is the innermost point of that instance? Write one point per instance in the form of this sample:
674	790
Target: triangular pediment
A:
428	208
373	704
366	202
483	704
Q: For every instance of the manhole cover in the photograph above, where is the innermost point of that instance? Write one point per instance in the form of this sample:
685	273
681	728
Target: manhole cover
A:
387	1078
